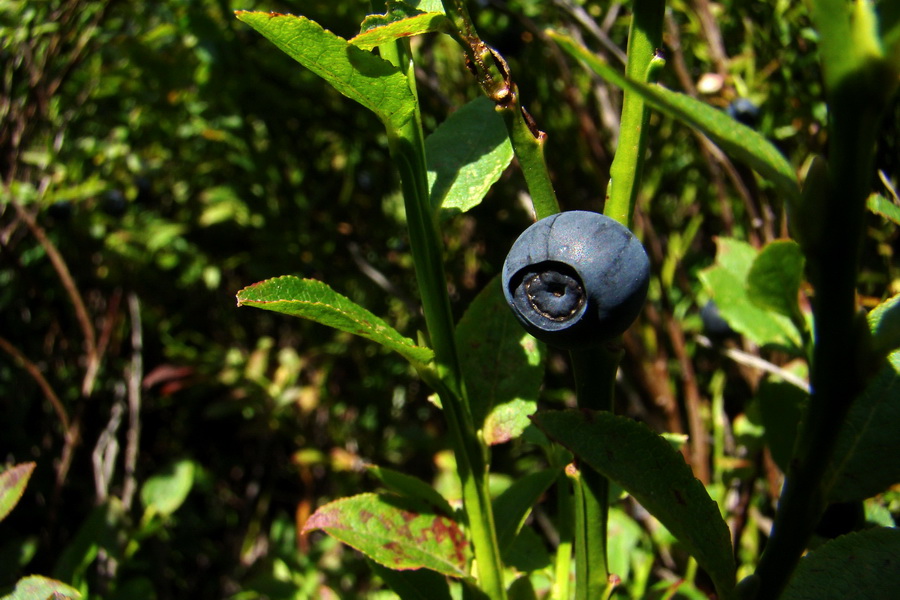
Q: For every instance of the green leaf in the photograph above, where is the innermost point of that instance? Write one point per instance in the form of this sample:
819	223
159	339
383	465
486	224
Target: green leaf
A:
395	532
401	20
164	493
466	155
521	589
863	465
726	282
513	506
356	73
773	282
781	407
12	486
655	474
884	322
857	566
527	552
314	300
102	529
411	487
734	138
502	365
420	584
883	207
36	587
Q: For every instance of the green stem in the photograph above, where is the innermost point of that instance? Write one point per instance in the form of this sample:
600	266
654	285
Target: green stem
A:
644	38
595	377
528	145
564	500
408	152
496	82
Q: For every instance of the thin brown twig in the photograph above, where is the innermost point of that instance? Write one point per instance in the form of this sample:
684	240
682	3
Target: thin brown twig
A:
135	375
42	382
68	283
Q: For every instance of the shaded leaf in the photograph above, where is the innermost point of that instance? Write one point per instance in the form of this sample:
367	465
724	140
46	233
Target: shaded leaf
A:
773	282
12	486
165	492
419	584
411	487
734	138
401	20
655	474
527	551
36	587
466	155
781	407
100	530
868	437
356	73
503	366
726	282
395	532
857	566
314	300
513	506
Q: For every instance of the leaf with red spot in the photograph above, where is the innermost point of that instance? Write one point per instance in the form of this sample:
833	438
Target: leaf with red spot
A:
396	532
12	486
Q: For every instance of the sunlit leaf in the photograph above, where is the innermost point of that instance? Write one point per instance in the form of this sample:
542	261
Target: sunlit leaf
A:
358	74
466	155
165	492
317	302
727	283
395	532
883	207
773	282
36	587
12	486
401	20
648	468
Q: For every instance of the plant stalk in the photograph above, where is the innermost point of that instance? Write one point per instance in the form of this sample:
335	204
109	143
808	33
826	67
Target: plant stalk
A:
644	38
595	378
496	82
408	152
837	375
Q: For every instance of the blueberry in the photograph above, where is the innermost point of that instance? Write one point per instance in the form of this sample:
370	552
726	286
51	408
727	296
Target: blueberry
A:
114	203
713	324
743	110
576	279
60	211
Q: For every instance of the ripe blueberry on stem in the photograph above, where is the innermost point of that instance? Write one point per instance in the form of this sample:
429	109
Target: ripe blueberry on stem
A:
576	279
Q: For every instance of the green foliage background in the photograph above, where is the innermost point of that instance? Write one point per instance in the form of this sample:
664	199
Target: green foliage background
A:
236	165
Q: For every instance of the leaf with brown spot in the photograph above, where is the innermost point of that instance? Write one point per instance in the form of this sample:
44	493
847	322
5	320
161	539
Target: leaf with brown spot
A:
12	486
396	532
